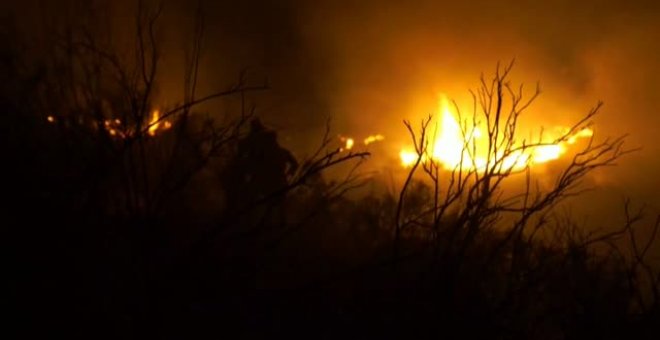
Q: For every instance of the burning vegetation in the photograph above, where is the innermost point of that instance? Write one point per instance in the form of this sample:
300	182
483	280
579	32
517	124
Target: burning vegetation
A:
348	142
115	128
465	142
171	222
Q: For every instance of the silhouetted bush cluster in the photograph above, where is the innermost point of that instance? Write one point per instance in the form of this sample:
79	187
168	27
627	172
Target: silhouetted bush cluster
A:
121	232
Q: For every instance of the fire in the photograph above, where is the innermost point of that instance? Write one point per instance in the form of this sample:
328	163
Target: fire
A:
582	133
454	148
408	157
349	142
115	127
157	123
154	123
373	139
118	129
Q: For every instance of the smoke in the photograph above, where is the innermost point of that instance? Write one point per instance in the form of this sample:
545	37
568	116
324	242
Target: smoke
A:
368	65
384	61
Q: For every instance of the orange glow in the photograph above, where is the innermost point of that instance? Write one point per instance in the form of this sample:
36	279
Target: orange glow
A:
154	123
408	158
349	142
373	139
455	146
114	128
582	133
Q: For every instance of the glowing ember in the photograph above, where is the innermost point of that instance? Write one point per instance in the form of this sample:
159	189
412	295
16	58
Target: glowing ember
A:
116	128
348	143
373	139
454	148
582	133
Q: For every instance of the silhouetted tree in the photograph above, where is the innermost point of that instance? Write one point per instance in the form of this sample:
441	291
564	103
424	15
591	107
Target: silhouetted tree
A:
137	219
486	243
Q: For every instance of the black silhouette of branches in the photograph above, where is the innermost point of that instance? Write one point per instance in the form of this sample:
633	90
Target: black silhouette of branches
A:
473	193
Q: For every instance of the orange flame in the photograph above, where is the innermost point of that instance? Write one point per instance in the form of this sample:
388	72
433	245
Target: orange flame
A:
154	123
116	128
455	148
408	158
373	139
349	142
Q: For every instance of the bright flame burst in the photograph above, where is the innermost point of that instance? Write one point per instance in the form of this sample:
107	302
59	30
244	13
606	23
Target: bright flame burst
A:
155	123
348	143
453	149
